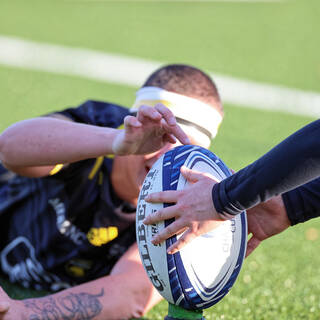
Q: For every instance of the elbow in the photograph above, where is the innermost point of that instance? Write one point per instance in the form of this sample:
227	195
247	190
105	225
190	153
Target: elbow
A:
5	153
2	149
12	142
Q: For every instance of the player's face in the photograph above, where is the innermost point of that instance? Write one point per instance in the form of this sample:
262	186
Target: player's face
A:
128	172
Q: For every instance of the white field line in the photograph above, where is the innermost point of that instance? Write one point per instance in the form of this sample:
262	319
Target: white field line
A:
191	1
130	71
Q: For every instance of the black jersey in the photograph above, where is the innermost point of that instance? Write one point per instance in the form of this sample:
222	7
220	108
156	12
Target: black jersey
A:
69	227
292	169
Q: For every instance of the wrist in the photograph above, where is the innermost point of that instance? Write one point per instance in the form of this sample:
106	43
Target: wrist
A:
117	146
224	207
278	206
217	203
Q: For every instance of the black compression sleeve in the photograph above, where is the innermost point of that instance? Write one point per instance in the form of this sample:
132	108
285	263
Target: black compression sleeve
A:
293	162
303	203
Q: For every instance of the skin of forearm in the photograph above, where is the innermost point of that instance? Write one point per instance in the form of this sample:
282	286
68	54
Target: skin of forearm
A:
48	141
69	304
73	304
111	298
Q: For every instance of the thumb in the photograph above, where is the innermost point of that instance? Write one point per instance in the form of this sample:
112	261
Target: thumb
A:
4	306
186	237
252	245
130	123
191	175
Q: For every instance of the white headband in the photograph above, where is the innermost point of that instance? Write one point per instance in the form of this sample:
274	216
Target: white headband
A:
196	118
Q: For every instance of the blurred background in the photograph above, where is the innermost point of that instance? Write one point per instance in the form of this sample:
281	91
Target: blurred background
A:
265	58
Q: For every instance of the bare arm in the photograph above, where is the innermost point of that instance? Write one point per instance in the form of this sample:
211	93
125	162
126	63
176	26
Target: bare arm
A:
32	147
48	141
126	293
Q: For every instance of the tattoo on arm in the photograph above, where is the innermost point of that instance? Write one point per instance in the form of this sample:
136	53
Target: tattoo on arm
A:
73	306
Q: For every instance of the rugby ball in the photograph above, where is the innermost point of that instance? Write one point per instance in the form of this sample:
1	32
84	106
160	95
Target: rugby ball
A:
201	273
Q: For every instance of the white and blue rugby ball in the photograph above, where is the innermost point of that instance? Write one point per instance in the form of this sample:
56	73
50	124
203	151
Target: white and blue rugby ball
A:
201	273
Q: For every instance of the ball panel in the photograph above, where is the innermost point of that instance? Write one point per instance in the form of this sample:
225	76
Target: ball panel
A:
152	256
172	163
192	261
191	278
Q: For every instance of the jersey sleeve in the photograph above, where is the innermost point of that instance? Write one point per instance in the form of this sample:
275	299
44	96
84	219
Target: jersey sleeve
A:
97	113
293	162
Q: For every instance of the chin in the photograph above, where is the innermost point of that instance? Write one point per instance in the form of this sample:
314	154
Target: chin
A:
140	178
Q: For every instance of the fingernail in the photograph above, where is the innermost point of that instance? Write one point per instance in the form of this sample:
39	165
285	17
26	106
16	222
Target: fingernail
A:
184	169
156	115
172	121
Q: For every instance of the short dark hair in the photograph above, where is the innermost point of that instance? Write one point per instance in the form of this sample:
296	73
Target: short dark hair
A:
186	80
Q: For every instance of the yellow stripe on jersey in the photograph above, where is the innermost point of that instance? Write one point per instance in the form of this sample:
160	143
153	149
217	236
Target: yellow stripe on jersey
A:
76	271
100	179
100	236
96	167
56	169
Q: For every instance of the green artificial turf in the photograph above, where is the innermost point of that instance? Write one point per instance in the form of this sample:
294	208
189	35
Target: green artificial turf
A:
275	43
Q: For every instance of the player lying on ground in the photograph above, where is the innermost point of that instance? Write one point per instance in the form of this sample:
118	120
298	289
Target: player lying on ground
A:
68	204
287	175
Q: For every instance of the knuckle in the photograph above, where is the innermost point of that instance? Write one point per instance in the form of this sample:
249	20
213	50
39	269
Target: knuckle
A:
159	215
169	229
183	207
183	241
160	106
161	197
181	194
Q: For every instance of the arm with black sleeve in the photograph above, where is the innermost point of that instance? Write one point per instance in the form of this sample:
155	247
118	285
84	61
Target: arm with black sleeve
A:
292	163
281	176
303	203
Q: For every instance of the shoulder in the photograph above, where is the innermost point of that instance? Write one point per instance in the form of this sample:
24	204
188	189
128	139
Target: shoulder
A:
98	113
